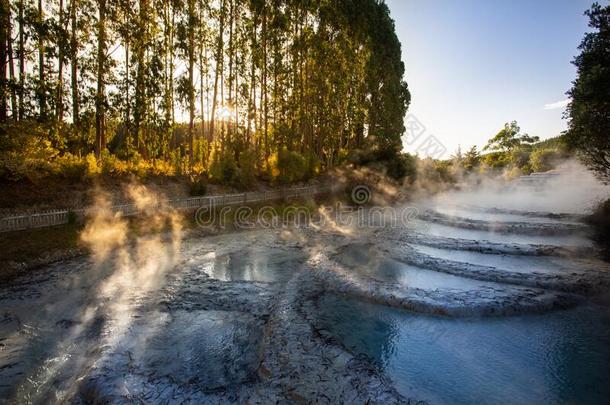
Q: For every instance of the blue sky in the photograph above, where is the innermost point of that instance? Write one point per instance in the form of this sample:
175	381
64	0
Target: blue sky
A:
473	65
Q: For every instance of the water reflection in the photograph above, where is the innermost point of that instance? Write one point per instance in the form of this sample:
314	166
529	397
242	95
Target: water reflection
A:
251	264
365	259
560	357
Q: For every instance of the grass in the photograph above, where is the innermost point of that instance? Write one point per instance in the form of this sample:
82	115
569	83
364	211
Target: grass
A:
26	249
35	244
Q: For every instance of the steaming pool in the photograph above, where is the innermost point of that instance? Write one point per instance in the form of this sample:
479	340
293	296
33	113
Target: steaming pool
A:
454	307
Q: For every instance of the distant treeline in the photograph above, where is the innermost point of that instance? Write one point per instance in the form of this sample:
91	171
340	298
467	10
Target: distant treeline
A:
181	85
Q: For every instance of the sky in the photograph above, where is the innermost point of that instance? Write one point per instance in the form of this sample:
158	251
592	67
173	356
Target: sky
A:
472	65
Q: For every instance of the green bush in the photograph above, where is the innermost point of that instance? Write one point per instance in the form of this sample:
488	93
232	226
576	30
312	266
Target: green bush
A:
112	165
223	169
291	165
198	186
519	157
600	222
313	165
247	168
71	167
543	160
401	166
72	217
496	160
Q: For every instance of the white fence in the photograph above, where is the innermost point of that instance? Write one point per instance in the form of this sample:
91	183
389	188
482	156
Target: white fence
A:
61	217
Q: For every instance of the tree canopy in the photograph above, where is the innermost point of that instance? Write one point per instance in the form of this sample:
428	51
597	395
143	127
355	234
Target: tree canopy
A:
182	81
589	109
509	138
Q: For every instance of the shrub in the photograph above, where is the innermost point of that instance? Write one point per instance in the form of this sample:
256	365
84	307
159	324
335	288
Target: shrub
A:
93	169
162	168
198	186
401	166
513	173
223	168
600	222
291	165
496	160
543	160
176	162
113	166
247	168
72	217
313	165
71	167
519	157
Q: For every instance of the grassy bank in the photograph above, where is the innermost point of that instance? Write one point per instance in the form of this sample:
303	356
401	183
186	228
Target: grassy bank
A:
27	250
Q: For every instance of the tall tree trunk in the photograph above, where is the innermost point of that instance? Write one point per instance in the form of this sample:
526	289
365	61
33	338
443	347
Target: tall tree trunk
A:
166	58
42	91
264	90
127	88
74	63
171	65
21	57
100	138
191	66
219	64
140	98
11	67
59	102
202	70
4	41
230	78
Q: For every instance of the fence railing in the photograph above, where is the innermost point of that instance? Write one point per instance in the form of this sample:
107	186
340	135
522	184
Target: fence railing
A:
61	217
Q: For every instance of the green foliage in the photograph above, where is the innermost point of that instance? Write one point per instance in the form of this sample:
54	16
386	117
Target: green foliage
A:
313	165
496	160
402	166
223	169
471	159
520	158
396	165
72	217
600	223
509	138
198	186
247	168
589	109
558	143
291	167
433	174
543	160
320	78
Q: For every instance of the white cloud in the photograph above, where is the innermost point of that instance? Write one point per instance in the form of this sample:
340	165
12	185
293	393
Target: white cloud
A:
557	104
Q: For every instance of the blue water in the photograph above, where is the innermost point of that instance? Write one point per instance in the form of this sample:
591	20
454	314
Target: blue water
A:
560	357
363	260
516	263
267	265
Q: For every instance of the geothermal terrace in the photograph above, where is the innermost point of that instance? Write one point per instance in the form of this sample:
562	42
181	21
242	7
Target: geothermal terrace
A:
467	301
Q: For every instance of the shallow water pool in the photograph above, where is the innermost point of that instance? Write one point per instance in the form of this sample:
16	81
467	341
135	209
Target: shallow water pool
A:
560	357
519	264
362	259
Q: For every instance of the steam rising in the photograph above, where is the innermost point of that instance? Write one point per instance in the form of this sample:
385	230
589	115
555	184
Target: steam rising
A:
137	265
571	188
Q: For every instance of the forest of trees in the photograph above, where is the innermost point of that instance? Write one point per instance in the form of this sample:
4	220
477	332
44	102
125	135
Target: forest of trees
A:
589	109
201	86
